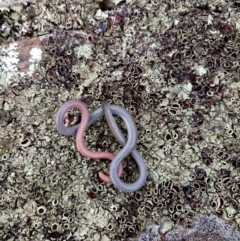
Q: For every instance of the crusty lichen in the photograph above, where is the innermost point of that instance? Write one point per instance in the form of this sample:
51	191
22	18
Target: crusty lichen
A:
173	65
8	60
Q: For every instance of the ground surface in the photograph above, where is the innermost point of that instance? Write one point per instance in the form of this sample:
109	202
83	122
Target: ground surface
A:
173	64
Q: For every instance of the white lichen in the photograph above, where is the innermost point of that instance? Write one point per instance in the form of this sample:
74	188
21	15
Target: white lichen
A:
83	51
36	56
200	69
8	60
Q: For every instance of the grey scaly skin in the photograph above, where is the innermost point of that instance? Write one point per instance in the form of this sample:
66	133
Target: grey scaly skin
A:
128	147
128	144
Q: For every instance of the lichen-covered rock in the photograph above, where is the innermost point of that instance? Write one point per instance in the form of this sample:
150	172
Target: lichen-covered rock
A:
207	227
152	233
173	64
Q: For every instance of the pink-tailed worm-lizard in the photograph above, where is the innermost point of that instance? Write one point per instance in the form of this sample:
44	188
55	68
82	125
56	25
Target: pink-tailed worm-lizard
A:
80	129
128	144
